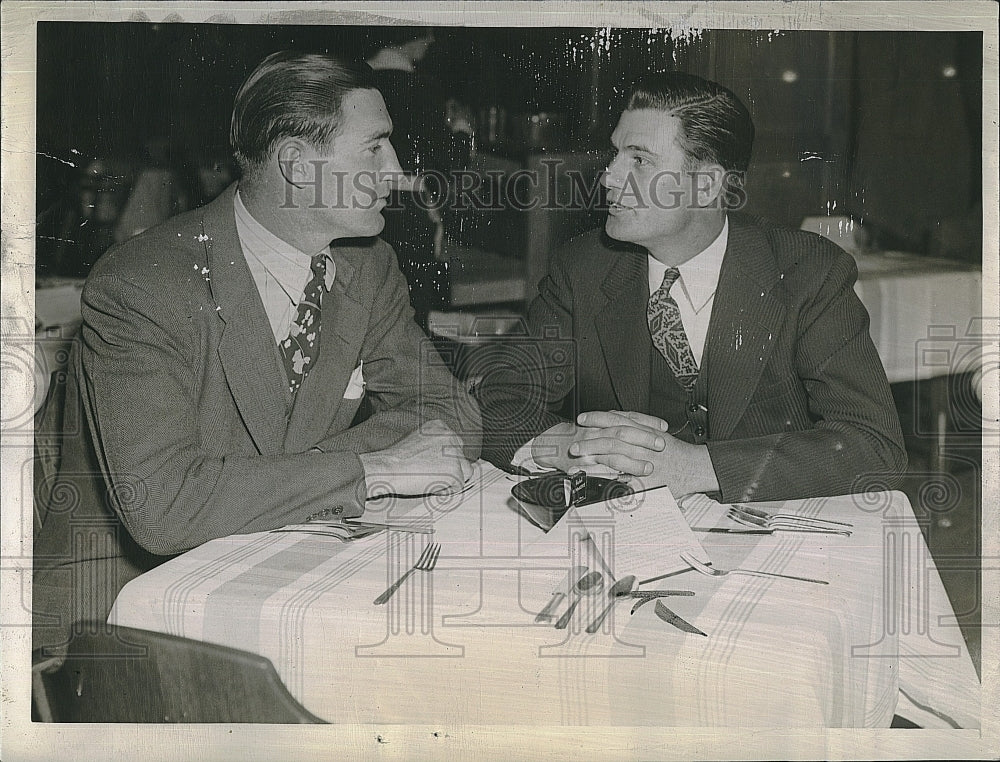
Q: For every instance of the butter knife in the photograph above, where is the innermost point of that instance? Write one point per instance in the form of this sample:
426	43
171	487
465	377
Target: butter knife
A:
670	617
561	591
416	528
651	595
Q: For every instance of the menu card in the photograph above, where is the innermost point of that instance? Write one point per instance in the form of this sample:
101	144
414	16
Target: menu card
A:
642	534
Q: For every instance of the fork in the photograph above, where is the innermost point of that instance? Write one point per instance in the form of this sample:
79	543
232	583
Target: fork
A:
428	559
785	525
762	514
710	571
340	531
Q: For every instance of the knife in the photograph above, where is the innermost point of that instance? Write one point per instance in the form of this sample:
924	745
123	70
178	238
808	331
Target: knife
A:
765	515
395	527
670	617
726	530
652	595
561	591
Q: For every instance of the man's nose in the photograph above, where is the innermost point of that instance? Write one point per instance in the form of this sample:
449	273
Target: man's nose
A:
390	166
611	176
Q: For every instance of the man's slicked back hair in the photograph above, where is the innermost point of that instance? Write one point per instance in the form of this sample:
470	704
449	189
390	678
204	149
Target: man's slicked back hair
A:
716	128
292	94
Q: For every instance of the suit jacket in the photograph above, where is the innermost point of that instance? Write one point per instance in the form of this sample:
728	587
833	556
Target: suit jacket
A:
798	402
186	409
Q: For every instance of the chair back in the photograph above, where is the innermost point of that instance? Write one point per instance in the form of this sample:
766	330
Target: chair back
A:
120	674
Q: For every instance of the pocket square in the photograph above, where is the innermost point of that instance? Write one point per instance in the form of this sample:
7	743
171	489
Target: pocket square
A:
356	386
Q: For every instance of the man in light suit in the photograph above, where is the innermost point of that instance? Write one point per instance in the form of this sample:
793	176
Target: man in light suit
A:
714	352
224	356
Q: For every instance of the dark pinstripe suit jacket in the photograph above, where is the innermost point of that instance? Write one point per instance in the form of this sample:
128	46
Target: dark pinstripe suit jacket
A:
185	409
798	402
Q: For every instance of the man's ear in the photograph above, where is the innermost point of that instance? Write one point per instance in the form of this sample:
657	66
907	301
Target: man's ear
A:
291	158
709	185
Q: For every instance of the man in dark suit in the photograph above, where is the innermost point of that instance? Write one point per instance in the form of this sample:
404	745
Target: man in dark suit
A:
224	356
713	352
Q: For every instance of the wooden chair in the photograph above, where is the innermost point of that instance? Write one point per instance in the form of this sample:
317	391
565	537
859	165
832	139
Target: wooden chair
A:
120	674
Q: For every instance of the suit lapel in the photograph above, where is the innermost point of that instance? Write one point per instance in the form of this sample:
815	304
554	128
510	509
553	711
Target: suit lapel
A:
344	325
247	351
746	317
622	328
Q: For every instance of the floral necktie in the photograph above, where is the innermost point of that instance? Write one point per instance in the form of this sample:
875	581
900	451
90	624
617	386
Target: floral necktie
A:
667	331
301	347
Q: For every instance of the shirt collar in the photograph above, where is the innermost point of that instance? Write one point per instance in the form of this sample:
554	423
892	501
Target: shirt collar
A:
699	275
289	267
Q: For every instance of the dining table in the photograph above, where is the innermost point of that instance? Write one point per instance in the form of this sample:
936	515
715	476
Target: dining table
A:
927	317
872	636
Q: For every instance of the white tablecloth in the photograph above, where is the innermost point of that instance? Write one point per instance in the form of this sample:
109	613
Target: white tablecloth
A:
926	314
460	645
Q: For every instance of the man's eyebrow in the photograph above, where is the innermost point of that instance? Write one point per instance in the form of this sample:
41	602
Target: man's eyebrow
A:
636	147
641	148
381	134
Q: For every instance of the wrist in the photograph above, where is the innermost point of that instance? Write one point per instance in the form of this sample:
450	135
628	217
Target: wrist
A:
701	471
372	470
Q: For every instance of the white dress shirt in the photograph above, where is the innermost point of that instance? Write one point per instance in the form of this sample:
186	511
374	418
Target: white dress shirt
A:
694	292
279	270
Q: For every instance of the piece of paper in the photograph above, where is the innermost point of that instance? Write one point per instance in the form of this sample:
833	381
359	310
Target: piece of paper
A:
642	534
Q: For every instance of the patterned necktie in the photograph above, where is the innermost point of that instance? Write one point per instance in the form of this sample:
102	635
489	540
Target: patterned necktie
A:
301	348
667	331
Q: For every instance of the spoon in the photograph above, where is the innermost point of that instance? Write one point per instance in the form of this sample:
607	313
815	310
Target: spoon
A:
588	584
620	589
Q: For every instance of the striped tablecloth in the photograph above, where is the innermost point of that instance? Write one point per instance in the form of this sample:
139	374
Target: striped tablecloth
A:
460	645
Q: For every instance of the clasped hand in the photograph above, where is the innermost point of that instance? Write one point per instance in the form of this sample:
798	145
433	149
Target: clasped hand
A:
635	445
427	461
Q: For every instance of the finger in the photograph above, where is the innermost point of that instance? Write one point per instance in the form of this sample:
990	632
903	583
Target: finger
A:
632	435
625	464
607	418
602	448
647	420
468	469
602	471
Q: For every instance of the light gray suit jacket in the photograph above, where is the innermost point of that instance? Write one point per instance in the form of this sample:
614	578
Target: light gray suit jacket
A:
186	413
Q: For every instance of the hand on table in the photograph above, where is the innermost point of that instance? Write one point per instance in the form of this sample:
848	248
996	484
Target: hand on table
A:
427	461
633	444
626	435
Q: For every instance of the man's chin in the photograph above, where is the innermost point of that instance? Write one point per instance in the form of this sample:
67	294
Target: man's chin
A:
615	228
370	228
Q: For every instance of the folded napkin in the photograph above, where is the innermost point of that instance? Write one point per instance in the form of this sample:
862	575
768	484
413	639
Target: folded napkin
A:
641	534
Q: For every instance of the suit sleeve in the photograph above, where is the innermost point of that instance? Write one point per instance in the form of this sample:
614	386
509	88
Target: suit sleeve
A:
525	380
138	361
855	442
406	379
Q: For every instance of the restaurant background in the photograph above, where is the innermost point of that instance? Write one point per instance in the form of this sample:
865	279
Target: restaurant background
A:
876	130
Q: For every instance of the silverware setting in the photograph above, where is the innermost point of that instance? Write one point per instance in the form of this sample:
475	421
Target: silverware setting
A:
348	530
415	528
428	559
786	522
621	589
561	592
728	530
588	584
645	596
792	516
670	617
343	533
711	571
